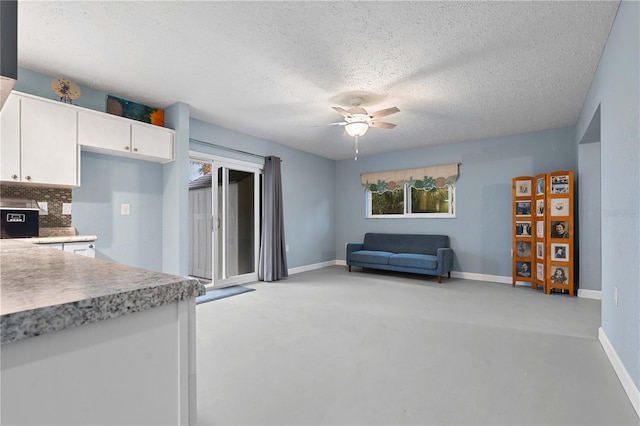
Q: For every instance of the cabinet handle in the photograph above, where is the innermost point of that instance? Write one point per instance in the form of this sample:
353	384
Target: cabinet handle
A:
14	177
126	148
90	245
27	177
135	149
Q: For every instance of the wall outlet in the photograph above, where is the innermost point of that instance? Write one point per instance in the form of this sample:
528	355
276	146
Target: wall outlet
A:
66	208
615	295
43	206
125	209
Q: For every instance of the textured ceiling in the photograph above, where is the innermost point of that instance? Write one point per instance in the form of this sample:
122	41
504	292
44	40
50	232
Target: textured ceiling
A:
457	70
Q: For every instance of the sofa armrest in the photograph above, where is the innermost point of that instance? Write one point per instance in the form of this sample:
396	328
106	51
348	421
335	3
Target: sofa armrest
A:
445	259
351	247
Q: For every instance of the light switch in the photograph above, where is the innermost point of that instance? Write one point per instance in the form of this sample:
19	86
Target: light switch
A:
66	208
43	206
125	209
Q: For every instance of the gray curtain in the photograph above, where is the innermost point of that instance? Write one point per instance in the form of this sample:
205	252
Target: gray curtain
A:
272	264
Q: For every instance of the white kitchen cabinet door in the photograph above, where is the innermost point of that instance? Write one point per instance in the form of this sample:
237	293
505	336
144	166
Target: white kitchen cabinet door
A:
49	146
151	142
81	248
10	140
103	132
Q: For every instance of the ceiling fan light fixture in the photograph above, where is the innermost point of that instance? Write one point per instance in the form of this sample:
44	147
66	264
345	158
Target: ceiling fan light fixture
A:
356	128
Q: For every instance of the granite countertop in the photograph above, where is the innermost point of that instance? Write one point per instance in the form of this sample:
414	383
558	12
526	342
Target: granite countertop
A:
46	290
59	239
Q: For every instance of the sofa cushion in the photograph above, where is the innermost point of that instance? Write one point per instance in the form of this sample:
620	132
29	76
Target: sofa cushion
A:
411	260
405	243
366	256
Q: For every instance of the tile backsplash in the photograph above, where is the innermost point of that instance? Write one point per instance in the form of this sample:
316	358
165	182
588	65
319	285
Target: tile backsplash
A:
53	196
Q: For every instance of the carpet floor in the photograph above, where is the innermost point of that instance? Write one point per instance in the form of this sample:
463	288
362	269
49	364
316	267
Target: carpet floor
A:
329	347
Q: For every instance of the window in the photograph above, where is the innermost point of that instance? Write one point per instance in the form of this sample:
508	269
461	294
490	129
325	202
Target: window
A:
398	195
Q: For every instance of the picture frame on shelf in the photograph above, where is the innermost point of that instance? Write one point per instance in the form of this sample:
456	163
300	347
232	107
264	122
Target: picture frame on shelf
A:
523	208
560	252
540	229
540	250
540	271
523	249
560	229
559	207
523	228
539	207
523	188
540	186
560	184
559	274
523	269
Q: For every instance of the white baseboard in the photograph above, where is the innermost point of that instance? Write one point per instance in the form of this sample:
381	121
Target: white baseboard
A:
481	277
627	383
306	268
590	294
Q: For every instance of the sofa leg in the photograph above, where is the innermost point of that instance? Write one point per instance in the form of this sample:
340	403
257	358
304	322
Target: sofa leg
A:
449	274
439	279
349	268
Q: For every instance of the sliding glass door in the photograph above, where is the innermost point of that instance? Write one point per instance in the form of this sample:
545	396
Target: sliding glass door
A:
234	232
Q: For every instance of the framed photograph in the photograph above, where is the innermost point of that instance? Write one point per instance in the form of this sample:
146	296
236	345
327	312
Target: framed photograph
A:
559	229
540	250
540	208
560	252
560	184
559	207
523	269
540	186
540	229
523	188
540	271
523	249
559	274
523	208
523	229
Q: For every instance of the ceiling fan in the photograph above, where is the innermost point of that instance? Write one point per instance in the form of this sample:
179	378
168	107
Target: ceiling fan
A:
357	120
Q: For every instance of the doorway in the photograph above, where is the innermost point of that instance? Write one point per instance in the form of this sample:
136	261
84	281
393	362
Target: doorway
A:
224	220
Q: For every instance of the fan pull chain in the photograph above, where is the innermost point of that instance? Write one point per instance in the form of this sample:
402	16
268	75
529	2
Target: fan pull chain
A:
356	145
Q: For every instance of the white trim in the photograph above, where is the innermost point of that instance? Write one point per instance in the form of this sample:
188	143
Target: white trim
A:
627	383
306	268
590	294
481	277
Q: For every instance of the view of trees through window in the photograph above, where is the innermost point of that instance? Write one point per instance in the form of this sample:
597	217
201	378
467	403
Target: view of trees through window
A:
438	201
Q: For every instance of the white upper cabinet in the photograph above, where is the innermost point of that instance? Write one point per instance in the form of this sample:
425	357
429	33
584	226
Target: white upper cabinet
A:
109	134
103	131
39	142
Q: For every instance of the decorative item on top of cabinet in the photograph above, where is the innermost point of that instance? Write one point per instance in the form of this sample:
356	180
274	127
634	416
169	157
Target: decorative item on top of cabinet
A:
560	232
39	144
522	229
540	240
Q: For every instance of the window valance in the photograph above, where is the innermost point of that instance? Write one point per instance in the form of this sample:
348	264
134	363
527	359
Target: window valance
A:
425	178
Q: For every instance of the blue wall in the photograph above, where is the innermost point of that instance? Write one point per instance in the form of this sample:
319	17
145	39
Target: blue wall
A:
616	89
106	183
481	232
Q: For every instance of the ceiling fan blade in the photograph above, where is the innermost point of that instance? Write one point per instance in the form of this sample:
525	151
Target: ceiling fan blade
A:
384	112
342	123
342	111
382	125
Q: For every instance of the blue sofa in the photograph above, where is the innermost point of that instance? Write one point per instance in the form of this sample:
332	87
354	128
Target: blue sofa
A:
417	253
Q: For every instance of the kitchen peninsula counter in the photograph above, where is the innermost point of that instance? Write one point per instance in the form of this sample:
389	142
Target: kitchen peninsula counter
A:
94	342
46	290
